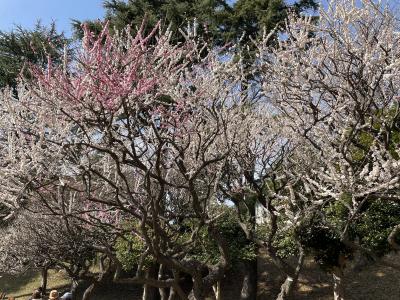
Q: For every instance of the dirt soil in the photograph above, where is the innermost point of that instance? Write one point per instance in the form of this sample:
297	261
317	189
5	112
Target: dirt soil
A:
374	282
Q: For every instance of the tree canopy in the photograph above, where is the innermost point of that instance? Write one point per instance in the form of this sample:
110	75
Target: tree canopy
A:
21	47
221	20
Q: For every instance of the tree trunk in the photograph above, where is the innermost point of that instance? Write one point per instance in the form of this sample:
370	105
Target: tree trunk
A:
101	280
117	272
286	289
173	295
217	290
88	292
163	291
74	287
149	292
198	295
338	290
44	280
197	292
291	281
101	263
249	283
392	237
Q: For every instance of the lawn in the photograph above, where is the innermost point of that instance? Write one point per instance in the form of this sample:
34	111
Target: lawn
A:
23	285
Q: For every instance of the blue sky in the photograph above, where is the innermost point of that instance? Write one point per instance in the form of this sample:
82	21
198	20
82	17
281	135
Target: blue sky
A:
27	12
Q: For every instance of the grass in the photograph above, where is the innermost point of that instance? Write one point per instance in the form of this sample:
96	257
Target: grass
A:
23	285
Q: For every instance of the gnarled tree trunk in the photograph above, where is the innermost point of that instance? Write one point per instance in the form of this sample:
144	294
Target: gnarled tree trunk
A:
104	277
249	282
338	289
163	291
150	292
198	292
217	290
291	279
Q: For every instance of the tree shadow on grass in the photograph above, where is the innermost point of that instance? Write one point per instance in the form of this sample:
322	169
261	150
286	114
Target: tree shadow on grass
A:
21	286
13	284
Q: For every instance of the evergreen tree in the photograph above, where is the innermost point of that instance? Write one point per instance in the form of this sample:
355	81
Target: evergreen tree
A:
223	20
21	46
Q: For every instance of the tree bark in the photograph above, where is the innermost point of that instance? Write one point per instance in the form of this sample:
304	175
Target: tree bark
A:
44	280
392	237
286	289
291	280
173	295
88	292
101	263
217	290
163	291
249	283
150	292
338	290
198	292
117	272
104	277
74	287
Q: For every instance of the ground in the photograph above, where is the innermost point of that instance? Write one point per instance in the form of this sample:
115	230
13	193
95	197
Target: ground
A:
374	282
23	285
